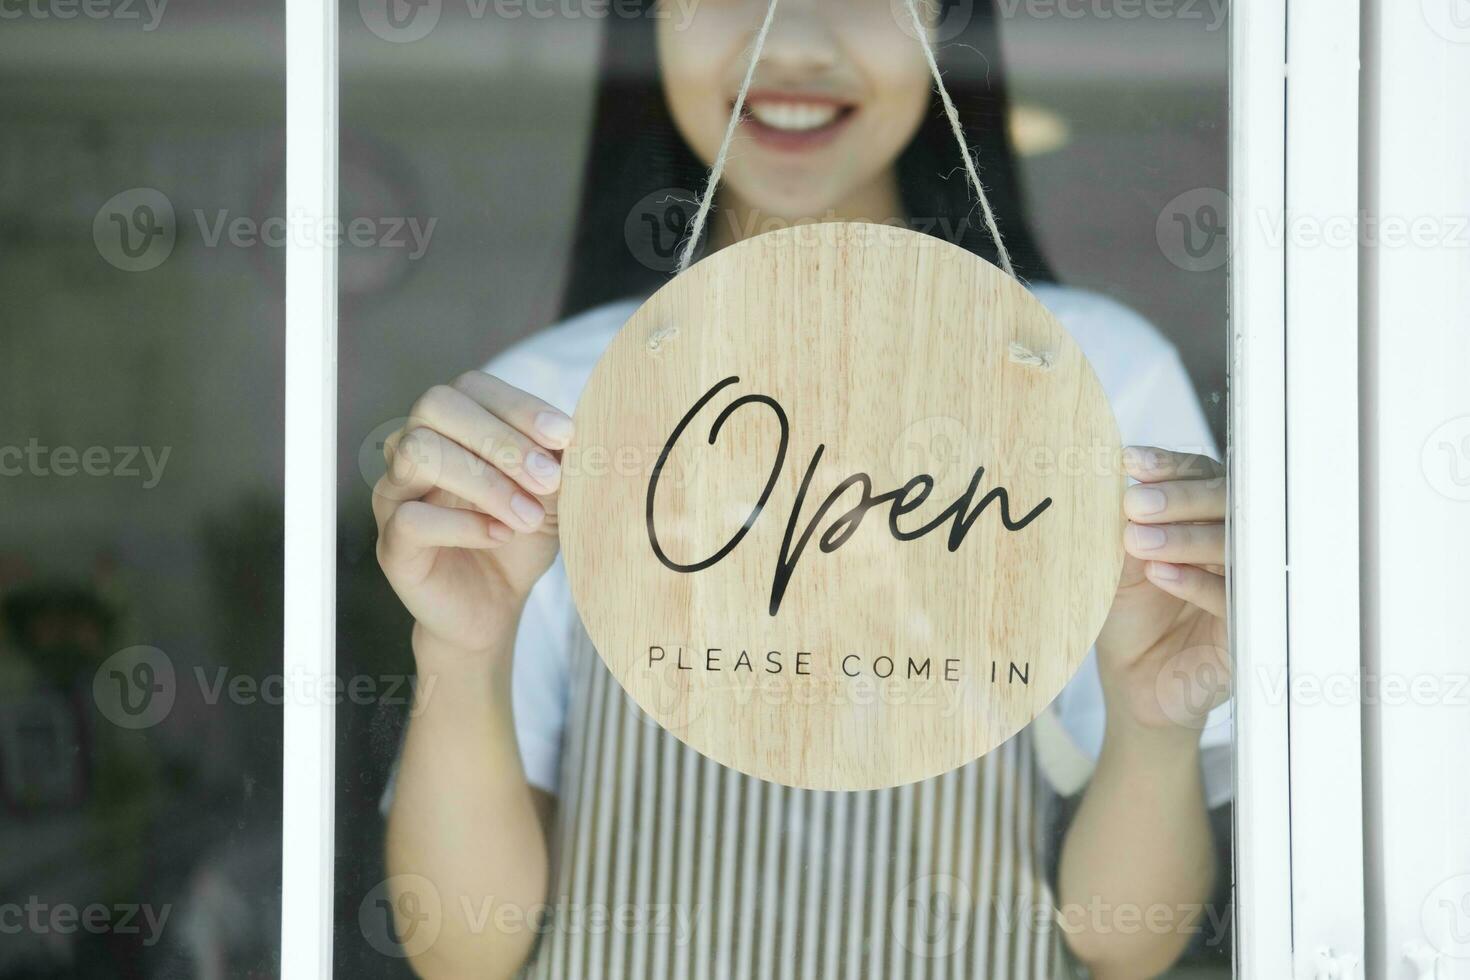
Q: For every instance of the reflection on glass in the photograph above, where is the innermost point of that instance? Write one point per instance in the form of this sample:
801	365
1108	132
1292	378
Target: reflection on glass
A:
140	483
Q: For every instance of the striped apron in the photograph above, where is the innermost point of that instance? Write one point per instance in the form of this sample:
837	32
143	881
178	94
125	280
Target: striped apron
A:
668	865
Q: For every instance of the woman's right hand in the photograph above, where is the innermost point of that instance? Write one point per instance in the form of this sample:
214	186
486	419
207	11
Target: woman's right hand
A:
467	509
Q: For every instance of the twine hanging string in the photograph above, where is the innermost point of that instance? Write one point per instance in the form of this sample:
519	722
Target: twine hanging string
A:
696	228
959	137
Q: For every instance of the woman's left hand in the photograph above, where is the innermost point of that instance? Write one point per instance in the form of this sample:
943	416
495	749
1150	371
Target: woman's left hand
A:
1162	654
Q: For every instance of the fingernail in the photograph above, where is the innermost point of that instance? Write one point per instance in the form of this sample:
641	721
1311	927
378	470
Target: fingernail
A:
526	509
1145	500
554	427
499	532
1163	571
542	467
1147	538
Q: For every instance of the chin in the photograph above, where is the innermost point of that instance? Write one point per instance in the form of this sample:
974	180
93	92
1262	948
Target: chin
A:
775	204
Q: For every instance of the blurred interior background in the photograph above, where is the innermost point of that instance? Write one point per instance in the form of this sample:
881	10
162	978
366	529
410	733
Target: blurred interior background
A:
475	133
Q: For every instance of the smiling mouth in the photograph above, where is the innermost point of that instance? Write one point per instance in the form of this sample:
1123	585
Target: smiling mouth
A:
794	122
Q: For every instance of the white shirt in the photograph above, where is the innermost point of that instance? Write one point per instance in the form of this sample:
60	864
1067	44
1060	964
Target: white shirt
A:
1151	397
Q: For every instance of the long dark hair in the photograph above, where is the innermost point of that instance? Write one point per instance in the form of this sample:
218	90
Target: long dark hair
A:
641	179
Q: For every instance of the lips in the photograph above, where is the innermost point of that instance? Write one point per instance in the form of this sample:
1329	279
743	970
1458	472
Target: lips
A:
794	121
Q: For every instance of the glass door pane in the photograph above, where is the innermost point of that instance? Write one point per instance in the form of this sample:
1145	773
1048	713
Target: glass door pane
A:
140	446
519	166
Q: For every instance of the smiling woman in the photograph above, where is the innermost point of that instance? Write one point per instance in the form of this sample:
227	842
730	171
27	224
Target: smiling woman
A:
884	154
833	102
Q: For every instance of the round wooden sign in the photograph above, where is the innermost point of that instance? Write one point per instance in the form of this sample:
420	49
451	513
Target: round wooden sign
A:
843	509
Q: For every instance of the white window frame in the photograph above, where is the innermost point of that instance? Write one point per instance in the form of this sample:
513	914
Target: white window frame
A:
1256	454
1322	512
309	750
1294	501
1416	345
1294	150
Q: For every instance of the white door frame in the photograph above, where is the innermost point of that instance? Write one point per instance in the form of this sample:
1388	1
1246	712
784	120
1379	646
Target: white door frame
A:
1257	462
1416	485
1294	499
309	750
1320	241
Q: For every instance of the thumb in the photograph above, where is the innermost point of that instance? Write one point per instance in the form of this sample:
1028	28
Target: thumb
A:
1138	609
1133	572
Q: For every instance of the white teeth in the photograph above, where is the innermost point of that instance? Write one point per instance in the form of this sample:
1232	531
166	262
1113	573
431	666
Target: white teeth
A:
793	115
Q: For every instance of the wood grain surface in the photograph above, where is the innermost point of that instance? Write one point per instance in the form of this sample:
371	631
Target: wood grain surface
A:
877	544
